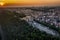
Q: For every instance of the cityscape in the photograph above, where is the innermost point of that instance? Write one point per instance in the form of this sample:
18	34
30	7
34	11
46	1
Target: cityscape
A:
29	19
30	23
50	16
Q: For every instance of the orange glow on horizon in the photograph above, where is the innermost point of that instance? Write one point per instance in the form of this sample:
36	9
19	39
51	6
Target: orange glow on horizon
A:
29	2
1	3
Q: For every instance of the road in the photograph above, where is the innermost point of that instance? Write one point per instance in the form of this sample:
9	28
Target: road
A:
41	27
44	28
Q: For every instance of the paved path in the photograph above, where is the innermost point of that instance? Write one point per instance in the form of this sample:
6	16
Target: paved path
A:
43	28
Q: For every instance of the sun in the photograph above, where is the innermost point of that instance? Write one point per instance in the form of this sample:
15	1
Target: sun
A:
1	3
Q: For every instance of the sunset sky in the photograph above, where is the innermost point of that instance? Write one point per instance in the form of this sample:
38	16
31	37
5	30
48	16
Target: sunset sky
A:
29	2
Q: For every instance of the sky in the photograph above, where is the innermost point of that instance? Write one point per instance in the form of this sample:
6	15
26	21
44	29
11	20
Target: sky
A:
30	2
